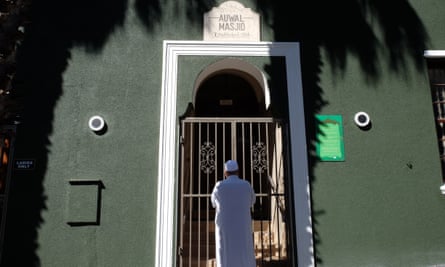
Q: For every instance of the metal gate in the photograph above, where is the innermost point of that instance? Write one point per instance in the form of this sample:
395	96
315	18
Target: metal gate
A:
259	147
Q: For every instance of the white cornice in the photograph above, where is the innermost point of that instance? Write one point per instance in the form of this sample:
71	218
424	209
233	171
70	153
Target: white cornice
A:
434	53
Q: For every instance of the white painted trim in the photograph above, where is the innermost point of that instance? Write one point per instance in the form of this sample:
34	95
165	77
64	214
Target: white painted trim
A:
434	53
165	224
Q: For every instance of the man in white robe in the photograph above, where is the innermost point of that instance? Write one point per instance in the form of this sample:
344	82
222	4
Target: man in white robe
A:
233	198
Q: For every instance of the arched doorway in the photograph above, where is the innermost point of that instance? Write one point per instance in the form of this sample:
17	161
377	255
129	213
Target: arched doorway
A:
230	120
227	95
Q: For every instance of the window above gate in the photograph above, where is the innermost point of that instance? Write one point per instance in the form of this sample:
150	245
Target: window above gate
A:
436	73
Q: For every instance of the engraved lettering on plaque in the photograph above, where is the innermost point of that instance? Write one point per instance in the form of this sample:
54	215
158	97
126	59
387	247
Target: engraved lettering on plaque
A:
231	21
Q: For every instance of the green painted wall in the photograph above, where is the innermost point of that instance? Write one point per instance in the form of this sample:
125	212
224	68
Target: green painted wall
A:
382	204
380	207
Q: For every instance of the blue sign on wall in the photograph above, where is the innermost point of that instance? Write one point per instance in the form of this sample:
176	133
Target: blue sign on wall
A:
24	164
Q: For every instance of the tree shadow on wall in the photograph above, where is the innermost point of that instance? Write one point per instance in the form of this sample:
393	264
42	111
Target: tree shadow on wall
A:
341	28
55	27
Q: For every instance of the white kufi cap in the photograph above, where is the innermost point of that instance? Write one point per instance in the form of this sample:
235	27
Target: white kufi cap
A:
231	165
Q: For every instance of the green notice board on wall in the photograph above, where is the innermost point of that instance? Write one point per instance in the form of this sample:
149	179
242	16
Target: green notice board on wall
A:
330	146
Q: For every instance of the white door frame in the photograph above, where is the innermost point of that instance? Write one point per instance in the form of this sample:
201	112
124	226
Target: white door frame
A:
165	223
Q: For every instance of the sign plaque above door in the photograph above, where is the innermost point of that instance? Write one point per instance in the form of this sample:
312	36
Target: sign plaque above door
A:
231	21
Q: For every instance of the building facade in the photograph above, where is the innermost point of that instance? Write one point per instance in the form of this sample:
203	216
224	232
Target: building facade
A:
333	110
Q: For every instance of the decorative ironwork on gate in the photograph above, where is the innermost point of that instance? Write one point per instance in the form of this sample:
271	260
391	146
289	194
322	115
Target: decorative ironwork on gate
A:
207	157
260	149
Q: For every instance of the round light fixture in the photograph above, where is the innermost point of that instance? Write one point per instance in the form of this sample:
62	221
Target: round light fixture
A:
97	124
362	119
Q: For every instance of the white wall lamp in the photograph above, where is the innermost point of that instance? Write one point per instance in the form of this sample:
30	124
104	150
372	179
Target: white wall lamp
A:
362	120
97	125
